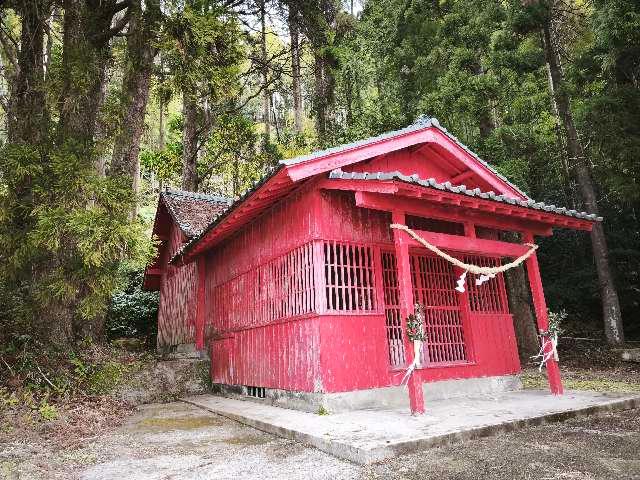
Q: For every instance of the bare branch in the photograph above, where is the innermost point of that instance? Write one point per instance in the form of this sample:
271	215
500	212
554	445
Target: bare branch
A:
119	26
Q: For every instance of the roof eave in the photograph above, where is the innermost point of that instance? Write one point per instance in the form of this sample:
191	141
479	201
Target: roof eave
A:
584	219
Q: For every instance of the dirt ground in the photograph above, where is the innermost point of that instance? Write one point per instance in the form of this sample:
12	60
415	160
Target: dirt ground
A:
180	441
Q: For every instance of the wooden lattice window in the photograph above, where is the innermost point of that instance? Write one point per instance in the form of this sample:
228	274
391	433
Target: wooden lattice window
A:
280	288
433	282
349	278
393	321
490	297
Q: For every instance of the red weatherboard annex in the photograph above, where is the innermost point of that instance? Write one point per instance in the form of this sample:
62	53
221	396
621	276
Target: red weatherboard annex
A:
302	286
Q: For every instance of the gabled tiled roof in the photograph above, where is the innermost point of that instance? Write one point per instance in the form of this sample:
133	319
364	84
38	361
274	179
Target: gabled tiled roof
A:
420	123
193	212
460	189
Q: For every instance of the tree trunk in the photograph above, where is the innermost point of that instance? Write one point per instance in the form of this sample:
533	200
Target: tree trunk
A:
27	116
318	19
266	96
189	143
520	305
296	86
348	100
610	304
320	102
135	90
86	54
324	96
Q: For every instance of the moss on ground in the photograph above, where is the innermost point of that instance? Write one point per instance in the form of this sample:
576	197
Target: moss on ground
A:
592	381
181	423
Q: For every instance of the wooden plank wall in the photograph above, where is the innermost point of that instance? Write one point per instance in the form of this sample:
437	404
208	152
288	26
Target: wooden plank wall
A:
283	355
260	301
177	309
271	317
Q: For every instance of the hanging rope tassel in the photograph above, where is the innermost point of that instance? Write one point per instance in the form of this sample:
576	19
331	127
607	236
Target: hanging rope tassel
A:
546	354
417	352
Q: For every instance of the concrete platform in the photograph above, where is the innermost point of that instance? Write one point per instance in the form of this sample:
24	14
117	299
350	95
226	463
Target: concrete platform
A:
372	435
378	398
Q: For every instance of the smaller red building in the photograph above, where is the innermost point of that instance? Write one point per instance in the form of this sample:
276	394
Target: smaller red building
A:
303	289
179	217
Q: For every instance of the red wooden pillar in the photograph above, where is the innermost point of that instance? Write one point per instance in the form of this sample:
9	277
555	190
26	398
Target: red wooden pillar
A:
400	239
200	293
540	305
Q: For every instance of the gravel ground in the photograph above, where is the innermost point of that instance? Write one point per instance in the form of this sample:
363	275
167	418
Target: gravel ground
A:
180	441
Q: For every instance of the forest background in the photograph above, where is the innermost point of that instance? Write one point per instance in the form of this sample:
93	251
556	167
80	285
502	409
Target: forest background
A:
104	103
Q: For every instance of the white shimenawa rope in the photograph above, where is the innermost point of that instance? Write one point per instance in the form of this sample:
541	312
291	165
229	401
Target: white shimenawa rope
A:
467	267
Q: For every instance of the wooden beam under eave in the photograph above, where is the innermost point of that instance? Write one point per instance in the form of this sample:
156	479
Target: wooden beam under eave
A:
458	179
430	209
376	186
545	219
459	243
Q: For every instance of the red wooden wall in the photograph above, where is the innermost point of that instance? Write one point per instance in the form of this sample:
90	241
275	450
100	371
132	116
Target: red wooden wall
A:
176	313
305	298
470	335
261	300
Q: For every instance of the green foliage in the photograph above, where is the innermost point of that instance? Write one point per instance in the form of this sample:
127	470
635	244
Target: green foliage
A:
415	325
63	239
479	67
47	412
202	49
232	160
556	320
38	376
166	164
132	311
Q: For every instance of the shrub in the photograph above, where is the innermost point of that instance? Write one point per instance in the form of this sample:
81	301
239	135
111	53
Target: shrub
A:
133	312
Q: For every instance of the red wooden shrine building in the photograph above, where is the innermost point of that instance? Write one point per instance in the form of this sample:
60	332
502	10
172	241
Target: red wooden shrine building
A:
300	289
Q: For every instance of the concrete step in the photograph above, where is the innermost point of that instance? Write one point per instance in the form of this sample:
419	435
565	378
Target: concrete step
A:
369	436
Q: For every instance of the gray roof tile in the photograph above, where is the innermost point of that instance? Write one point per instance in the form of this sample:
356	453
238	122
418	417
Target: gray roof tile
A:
462	190
192	211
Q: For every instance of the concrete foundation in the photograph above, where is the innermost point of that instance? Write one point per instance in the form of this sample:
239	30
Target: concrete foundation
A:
373	435
389	397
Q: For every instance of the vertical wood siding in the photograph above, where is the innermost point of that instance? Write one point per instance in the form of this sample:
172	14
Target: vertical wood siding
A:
305	298
177	309
261	299
284	355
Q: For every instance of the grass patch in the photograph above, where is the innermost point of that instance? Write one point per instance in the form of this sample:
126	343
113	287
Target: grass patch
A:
581	381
